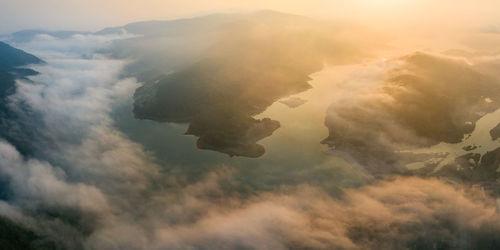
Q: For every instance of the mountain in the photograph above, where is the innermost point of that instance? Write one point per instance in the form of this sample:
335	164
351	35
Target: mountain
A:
423	101
12	61
217	72
13	57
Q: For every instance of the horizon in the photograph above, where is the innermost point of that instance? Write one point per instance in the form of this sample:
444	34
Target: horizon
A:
152	20
92	16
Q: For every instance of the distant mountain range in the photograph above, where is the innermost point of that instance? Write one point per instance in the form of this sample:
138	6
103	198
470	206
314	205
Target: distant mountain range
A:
24	36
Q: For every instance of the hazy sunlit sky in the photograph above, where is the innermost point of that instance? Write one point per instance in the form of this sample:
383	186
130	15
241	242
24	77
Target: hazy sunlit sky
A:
93	15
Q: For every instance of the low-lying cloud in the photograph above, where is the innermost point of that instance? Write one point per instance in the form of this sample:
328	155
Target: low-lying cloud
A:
91	187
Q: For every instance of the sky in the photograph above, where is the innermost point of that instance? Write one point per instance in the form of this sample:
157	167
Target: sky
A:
93	15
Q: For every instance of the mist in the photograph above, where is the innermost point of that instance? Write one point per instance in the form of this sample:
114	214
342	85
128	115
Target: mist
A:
407	15
378	89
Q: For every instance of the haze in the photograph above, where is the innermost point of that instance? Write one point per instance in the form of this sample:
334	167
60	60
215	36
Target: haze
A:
264	124
93	15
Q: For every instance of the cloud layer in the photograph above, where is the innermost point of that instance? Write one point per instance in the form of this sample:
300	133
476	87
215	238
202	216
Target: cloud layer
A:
91	187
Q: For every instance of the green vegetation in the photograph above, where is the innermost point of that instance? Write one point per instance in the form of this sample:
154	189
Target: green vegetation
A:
11	59
254	61
423	101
